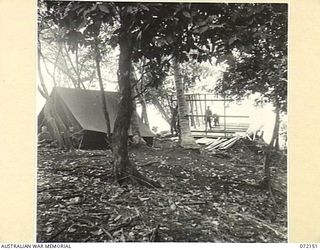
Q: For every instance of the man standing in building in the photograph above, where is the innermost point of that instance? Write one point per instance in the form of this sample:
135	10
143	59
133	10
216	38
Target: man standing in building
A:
208	116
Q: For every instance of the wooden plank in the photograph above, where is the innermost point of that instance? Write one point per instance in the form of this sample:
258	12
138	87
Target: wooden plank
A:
230	144
219	143
227	142
214	143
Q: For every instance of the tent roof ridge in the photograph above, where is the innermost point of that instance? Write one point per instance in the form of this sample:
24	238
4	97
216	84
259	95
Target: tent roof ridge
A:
79	89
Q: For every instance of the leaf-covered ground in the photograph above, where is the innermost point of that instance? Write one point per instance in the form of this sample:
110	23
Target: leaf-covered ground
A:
206	197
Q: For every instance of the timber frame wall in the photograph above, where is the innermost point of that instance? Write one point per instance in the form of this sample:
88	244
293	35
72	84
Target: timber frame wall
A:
197	104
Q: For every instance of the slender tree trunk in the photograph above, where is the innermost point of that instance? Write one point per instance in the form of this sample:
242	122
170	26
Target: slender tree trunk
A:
123	170
61	132
54	121
144	114
53	127
269	151
55	65
135	120
135	130
165	115
193	123
77	66
266	183
276	145
134	117
267	161
64	69
187	140
102	94
76	82
275	134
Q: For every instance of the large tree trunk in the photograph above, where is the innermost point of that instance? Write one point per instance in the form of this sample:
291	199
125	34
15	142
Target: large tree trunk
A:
103	97
123	170
187	140
121	167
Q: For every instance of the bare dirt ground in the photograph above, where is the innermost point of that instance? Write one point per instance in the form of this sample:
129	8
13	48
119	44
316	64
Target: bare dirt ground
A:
206	197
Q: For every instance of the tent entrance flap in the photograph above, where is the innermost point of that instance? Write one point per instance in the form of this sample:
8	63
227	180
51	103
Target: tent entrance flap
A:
94	140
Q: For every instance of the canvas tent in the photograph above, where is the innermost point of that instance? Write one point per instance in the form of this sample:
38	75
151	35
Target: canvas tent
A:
82	110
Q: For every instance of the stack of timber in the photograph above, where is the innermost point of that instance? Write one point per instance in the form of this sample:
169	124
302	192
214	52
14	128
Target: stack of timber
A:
222	143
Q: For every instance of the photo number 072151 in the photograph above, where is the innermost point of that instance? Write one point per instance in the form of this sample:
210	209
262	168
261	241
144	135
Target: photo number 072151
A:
312	246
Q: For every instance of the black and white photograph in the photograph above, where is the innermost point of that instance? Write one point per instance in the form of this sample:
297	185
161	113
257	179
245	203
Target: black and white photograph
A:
161	122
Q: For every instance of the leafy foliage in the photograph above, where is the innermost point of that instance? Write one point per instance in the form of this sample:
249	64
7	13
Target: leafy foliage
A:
251	38
258	64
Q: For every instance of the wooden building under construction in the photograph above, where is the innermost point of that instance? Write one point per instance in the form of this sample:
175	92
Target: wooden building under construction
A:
228	124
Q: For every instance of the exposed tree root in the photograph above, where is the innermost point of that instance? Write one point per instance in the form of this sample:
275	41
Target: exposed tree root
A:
149	163
144	181
135	177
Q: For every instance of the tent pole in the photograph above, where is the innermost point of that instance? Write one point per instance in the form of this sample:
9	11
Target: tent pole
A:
80	144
